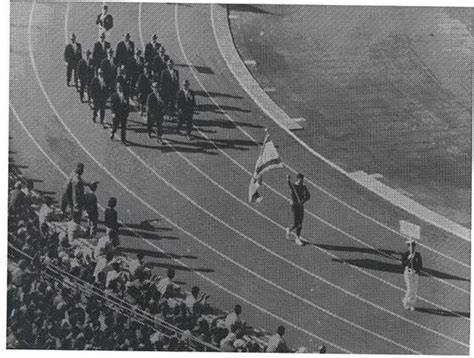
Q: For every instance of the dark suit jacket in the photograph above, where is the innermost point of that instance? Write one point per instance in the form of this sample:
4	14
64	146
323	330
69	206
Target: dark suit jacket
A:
99	52
90	204
90	71
154	107
82	71
416	263
169	86
107	23
122	54
125	87
158	65
118	107
186	104
72	57
134	68
98	94
150	52
110	70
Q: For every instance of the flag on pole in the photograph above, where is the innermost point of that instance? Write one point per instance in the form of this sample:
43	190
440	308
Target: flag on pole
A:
268	159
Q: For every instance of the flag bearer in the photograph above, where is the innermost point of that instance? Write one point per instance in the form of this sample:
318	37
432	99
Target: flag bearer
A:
299	196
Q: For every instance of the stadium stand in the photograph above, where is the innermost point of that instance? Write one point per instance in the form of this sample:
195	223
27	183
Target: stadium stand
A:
61	295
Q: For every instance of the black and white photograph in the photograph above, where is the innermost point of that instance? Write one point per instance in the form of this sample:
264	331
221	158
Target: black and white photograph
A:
237	177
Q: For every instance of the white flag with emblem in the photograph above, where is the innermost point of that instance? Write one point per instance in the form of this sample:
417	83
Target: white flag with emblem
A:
268	159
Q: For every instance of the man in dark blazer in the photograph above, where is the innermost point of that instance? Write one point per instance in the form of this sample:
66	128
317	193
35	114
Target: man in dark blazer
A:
159	62
144	86
72	55
90	74
104	20
99	51
83	68
120	108
169	88
125	50
186	104
98	95
109	67
122	79
151	49
154	112
133	68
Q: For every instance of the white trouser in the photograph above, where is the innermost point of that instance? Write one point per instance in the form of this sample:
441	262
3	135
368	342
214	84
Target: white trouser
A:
411	281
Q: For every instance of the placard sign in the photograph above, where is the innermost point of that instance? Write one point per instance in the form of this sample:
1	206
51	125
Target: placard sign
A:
410	230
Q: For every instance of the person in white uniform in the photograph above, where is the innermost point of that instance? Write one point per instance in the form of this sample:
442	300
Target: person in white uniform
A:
412	264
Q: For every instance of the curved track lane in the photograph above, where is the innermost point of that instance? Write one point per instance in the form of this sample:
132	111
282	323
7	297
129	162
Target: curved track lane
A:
178	173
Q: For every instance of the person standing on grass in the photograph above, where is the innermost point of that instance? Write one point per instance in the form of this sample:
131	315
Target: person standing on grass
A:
299	196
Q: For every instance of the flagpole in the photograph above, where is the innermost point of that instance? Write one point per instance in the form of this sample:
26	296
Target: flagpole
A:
268	159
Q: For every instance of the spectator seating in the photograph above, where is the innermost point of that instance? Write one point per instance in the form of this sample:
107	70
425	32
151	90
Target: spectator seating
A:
127	314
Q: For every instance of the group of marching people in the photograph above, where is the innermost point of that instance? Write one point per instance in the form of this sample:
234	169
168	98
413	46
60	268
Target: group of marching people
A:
129	79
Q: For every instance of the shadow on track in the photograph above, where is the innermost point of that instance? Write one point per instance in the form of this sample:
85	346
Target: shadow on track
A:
201	69
362	250
247	8
156	254
220	109
148	225
211	94
444	313
397	268
223	123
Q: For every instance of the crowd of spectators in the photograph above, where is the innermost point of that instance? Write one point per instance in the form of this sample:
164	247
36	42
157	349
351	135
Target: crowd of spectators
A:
68	291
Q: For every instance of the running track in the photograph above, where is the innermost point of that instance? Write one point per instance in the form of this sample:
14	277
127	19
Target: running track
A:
343	290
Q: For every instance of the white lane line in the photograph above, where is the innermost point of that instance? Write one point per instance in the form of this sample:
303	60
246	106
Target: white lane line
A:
100	165
262	246
310	213
276	223
66	17
263	310
190	200
268	106
308	179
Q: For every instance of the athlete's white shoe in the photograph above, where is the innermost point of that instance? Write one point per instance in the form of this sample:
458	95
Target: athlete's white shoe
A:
288	233
299	242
